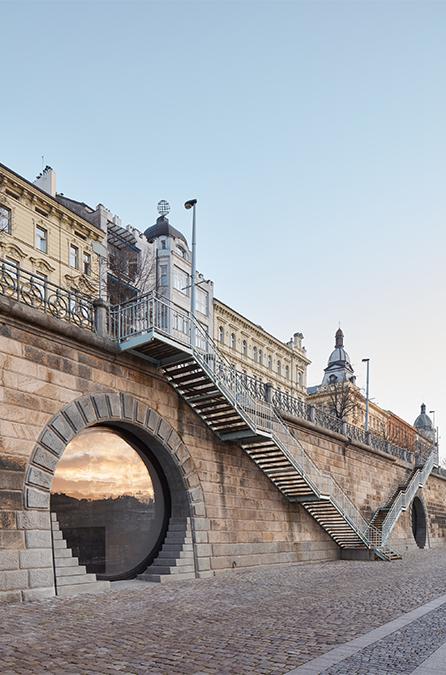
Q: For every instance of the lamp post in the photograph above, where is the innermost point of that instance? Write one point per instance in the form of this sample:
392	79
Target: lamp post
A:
432	412
191	204
366	425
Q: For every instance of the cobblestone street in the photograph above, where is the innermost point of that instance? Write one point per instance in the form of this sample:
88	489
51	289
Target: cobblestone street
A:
257	621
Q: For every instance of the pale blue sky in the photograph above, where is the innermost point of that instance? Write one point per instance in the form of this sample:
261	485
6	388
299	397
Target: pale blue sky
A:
312	133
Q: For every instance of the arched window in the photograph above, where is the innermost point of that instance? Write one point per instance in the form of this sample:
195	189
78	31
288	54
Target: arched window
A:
260	357
254	354
181	251
233	341
279	368
270	362
221	334
287	372
245	348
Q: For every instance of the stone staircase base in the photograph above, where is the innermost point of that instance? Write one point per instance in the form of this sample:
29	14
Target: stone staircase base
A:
175	561
71	578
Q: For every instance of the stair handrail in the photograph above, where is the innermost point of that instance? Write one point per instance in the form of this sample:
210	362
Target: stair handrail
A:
261	416
150	312
405	496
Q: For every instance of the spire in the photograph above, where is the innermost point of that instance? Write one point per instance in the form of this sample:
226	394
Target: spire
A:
423	408
339	338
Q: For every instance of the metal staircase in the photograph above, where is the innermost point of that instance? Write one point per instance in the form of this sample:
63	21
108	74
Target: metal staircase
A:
386	518
169	338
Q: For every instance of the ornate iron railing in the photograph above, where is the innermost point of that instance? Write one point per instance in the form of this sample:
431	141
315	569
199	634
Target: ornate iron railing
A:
36	291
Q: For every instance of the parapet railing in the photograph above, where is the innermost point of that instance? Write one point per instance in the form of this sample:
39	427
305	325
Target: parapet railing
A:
405	497
149	313
36	291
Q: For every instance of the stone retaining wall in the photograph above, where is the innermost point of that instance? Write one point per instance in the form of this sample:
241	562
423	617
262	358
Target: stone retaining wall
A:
57	379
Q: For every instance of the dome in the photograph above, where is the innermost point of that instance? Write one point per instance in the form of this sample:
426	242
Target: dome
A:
163	228
338	354
423	421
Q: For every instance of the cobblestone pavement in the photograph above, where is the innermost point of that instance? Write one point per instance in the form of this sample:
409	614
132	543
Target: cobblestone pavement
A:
400	652
255	621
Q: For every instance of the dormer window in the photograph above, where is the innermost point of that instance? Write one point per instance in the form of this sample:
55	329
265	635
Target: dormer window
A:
181	251
163	244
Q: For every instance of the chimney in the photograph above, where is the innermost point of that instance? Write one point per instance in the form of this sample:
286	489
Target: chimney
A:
297	340
46	181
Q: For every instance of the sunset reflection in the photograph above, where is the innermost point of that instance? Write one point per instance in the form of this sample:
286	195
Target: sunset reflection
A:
99	464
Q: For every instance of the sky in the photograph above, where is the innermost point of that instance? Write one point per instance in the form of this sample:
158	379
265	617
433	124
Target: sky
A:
98	464
311	133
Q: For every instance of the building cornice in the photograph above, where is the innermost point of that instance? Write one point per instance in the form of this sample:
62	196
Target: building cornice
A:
23	187
251	328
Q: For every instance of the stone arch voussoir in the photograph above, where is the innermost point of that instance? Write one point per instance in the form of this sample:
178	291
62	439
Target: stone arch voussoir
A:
103	408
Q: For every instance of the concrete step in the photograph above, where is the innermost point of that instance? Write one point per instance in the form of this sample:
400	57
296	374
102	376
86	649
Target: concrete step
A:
76	589
59	543
66	562
173	562
62	553
70	571
170	547
57	534
165	569
76	579
165	578
177	538
179	527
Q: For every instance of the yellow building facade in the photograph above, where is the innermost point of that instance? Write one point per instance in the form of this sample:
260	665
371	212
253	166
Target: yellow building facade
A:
41	236
256	353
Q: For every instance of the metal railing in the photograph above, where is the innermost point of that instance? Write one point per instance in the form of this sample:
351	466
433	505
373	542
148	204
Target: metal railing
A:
37	292
405	497
149	313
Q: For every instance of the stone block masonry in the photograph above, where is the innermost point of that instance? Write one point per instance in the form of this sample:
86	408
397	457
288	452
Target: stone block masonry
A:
57	379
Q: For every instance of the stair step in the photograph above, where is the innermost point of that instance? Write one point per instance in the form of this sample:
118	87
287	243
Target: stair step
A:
76	579
177	538
173	562
167	569
70	571
165	578
57	534
66	562
175	552
76	589
62	553
59	543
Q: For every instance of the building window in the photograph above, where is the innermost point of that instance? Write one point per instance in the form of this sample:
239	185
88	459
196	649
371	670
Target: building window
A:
163	275
181	251
254	354
245	348
287	372
202	301
279	368
163	244
74	256
87	264
180	280
41	239
233	341
260	357
221	335
270	362
5	220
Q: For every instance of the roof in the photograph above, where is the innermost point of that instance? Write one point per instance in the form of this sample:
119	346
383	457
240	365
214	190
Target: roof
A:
48	196
163	228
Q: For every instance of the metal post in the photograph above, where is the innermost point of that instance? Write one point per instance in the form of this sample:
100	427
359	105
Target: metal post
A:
366	426
191	204
193	292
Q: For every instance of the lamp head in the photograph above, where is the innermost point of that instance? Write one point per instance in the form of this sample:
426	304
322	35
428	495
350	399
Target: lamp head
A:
365	360
190	203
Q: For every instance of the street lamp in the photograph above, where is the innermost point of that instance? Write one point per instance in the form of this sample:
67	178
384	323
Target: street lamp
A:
366	426
191	204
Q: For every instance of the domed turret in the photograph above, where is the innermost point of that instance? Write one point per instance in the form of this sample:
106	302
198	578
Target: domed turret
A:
423	424
339	368
163	228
